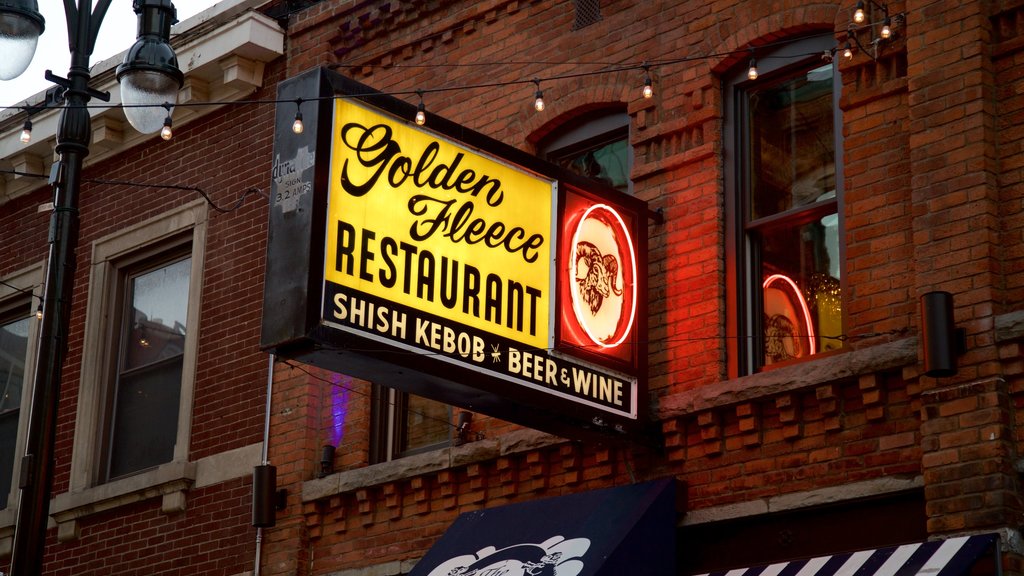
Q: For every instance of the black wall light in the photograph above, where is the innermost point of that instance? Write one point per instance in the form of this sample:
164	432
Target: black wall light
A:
266	498
327	460
942	340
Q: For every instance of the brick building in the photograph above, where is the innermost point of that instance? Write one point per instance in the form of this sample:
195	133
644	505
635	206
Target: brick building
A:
797	218
152	475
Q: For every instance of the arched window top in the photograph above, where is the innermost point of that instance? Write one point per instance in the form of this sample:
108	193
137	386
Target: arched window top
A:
594	144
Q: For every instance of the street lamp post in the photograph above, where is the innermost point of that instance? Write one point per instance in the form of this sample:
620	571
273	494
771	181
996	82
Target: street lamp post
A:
149	77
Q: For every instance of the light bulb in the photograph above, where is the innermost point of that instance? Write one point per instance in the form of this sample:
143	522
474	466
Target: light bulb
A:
848	51
26	132
421	115
39	312
648	88
858	13
297	125
166	132
886	28
752	71
538	103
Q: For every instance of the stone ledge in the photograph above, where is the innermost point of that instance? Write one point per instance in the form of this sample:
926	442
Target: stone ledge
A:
795	501
1010	326
828	368
168	482
427	463
393	568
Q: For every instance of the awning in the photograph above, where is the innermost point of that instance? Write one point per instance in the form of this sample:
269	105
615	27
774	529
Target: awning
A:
610	532
952	557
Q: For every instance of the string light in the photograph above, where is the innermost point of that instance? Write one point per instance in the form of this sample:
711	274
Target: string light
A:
858	13
886	31
39	311
421	111
297	125
167	131
26	132
859	16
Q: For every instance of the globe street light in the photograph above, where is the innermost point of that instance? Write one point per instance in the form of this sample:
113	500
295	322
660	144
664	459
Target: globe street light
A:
21	24
151	76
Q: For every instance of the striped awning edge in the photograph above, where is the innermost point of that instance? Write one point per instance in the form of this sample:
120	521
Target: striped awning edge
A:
950	557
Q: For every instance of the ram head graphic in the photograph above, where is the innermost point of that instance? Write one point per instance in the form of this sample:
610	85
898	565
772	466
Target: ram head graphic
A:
596	275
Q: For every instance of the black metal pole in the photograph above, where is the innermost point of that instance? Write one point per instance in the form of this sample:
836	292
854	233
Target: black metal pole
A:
73	133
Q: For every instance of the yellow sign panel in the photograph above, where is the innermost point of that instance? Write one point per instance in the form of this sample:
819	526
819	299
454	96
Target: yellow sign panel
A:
429	224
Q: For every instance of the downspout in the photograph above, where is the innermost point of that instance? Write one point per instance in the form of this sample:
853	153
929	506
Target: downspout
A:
264	452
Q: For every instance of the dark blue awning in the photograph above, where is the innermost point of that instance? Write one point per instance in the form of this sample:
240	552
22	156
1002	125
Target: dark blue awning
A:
952	557
610	532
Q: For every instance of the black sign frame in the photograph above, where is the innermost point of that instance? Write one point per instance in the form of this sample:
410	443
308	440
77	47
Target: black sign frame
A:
296	294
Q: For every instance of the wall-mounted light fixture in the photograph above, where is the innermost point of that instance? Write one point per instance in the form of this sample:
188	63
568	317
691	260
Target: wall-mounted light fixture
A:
326	460
463	421
264	496
941	339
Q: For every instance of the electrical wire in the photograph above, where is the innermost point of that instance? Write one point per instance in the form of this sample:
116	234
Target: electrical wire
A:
603	69
112	182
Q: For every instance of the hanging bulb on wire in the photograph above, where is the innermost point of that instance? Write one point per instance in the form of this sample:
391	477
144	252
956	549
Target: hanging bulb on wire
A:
886	31
421	110
538	102
752	71
297	125
26	132
167	131
648	83
848	51
858	13
39	311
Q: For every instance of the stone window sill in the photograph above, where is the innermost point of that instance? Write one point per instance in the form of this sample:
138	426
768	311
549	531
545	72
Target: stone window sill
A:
427	463
168	482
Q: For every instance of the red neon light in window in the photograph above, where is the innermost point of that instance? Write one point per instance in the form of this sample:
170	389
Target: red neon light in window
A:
799	297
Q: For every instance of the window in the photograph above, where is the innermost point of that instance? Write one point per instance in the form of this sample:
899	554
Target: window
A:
142	419
595	146
18	330
784	193
13	353
407	424
139	357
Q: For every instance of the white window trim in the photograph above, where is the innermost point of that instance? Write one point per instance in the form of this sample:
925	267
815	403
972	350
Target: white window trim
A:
168	480
28	280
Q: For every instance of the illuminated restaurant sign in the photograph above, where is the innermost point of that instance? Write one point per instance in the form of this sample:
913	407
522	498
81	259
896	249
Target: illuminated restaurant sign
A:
493	281
425	223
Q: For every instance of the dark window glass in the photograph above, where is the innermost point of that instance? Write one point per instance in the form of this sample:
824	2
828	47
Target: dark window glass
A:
595	145
792	156
786	251
406	424
427	424
144	415
13	352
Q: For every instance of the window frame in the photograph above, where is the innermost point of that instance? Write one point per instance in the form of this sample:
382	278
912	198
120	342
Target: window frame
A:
743	304
111	256
22	289
389	414
165	254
